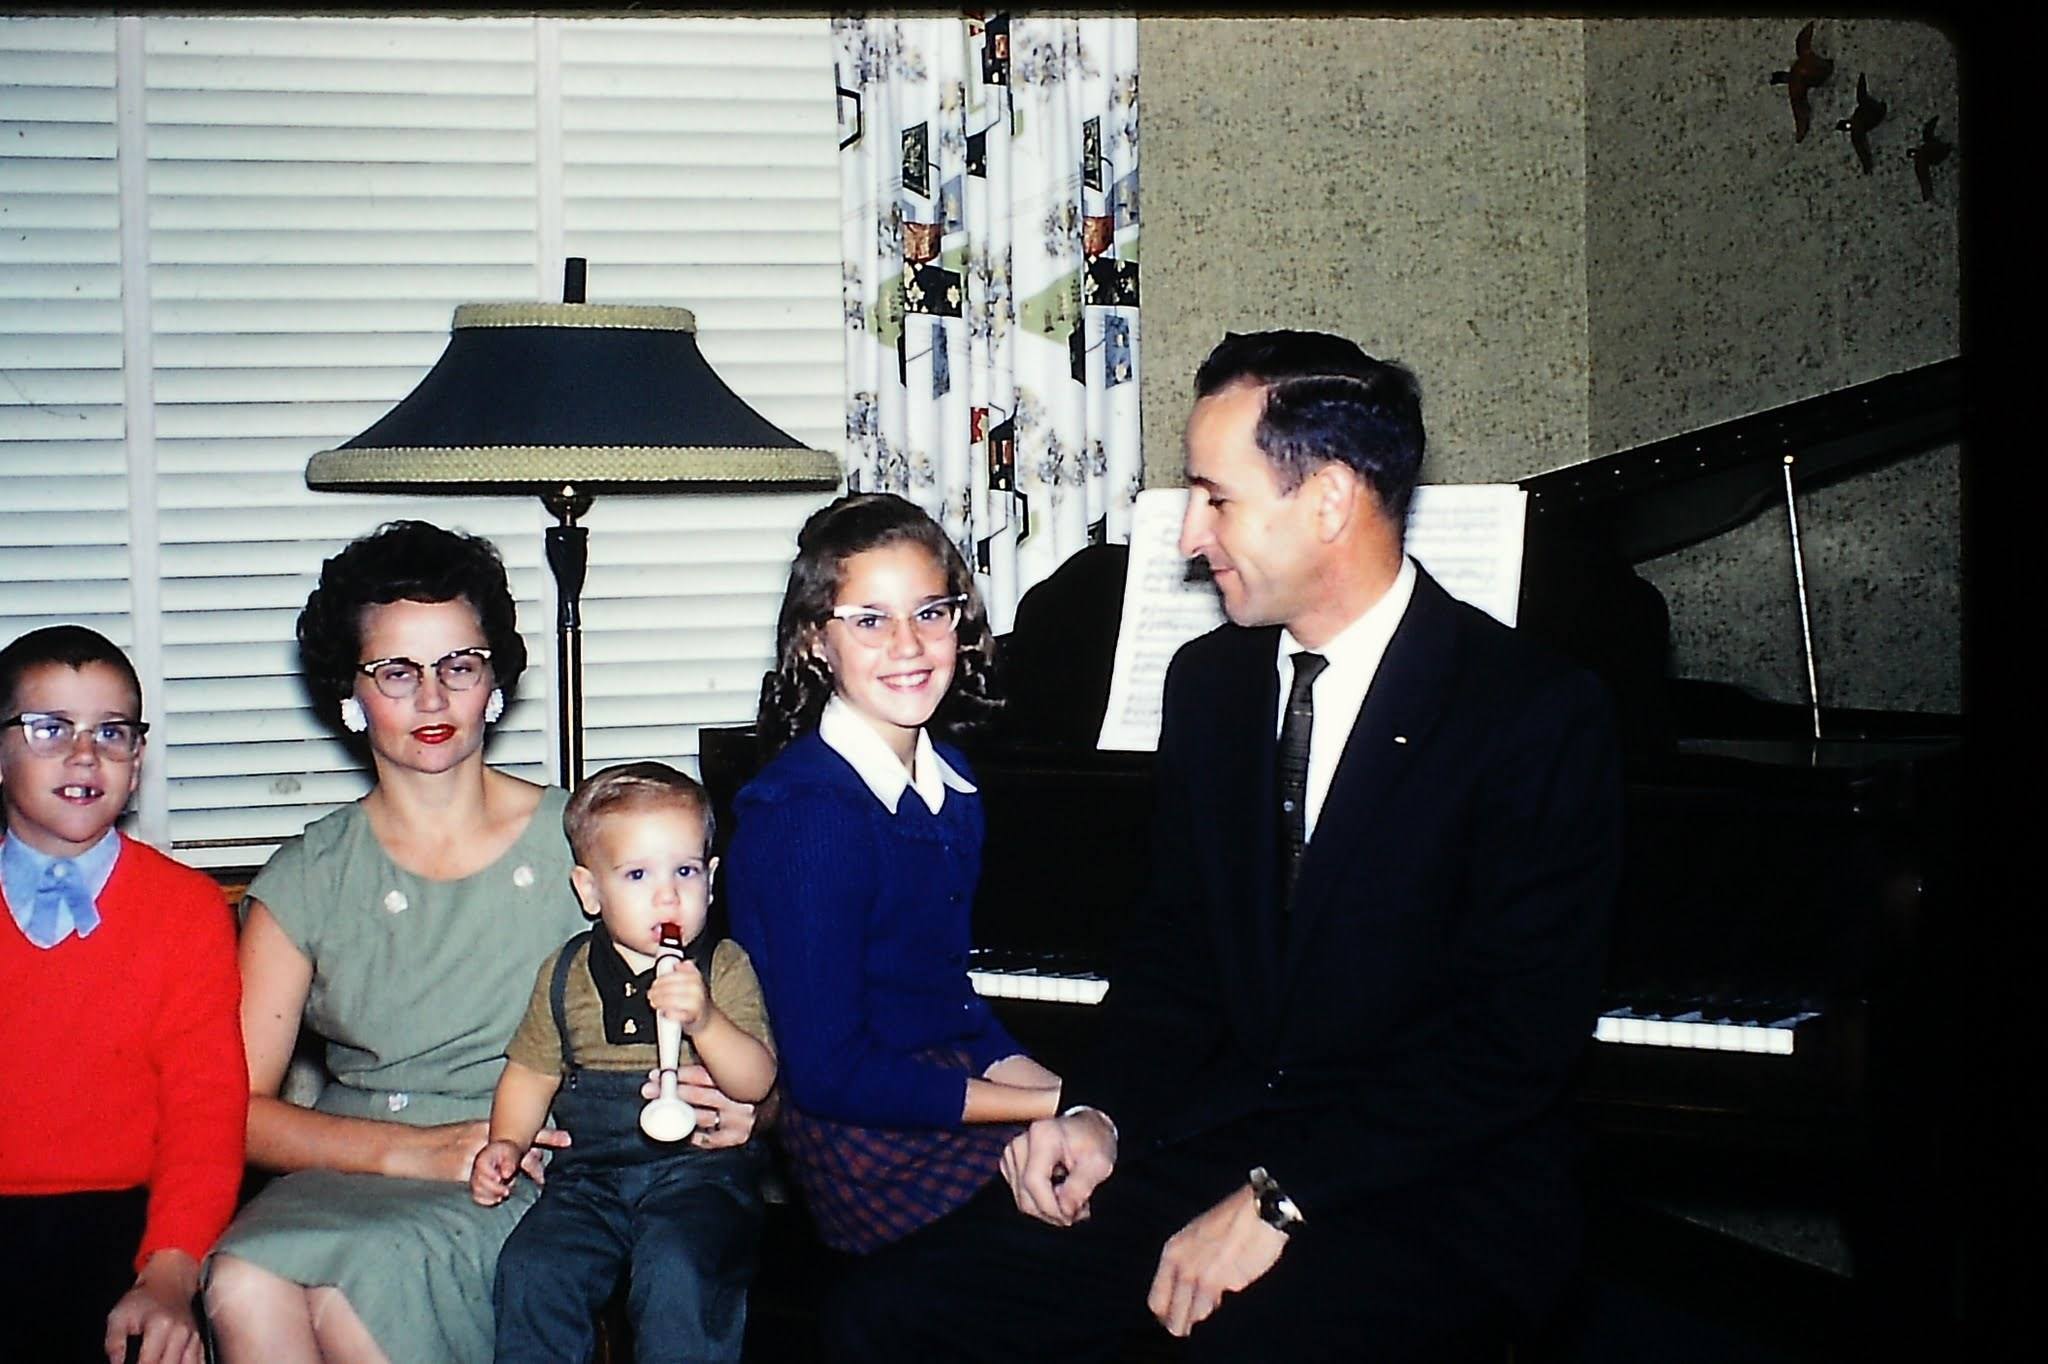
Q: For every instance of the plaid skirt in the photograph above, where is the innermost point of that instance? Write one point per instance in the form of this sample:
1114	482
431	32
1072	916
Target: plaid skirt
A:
868	1186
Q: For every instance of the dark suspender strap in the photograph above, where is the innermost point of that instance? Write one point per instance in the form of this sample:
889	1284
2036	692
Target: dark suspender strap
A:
581	942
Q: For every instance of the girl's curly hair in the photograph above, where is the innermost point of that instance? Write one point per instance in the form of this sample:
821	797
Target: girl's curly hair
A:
794	692
404	561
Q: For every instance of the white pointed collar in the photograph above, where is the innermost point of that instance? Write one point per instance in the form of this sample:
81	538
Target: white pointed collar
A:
853	739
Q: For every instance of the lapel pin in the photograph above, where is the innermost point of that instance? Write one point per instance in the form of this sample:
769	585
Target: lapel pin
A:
1400	738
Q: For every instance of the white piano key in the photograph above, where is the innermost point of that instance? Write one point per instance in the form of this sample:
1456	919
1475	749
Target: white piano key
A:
1656	1032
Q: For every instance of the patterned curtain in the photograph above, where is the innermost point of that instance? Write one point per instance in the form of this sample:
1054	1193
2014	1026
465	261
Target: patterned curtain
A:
989	178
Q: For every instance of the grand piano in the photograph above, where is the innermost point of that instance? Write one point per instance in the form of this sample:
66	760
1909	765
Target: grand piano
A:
1780	943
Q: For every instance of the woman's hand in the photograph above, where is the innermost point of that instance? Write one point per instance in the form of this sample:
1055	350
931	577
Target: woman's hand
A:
159	1310
1022	1071
721	1121
444	1152
449	1151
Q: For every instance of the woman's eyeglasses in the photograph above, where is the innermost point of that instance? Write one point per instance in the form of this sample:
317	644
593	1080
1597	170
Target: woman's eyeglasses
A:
399	678
50	736
875	627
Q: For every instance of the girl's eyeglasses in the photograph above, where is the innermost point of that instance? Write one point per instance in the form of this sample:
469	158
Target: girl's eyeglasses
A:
874	627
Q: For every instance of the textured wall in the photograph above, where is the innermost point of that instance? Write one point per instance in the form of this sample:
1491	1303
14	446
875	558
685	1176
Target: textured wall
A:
1417	184
1730	270
1584	236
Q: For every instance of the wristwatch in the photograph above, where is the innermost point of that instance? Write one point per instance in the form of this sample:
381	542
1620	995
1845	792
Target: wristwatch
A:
1276	1209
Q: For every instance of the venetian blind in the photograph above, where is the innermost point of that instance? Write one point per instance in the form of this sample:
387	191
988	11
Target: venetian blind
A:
321	193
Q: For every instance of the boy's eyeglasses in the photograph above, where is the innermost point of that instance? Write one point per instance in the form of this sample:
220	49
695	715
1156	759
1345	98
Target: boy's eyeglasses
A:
399	678
51	736
875	627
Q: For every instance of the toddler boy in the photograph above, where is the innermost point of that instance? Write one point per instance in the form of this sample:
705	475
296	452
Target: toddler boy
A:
687	1219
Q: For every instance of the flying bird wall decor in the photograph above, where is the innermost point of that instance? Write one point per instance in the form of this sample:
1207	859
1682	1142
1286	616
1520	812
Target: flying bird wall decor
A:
1867	114
1808	69
1930	152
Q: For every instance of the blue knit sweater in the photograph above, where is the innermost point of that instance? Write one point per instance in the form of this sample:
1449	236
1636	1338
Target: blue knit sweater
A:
858	924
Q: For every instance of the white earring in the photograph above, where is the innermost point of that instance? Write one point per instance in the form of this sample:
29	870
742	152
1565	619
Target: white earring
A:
494	706
352	718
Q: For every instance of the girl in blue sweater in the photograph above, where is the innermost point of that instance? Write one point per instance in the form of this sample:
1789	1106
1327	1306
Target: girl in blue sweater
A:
851	879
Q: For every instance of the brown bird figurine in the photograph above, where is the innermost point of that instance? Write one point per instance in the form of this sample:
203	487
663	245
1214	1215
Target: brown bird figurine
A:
1931	152
1867	114
1809	69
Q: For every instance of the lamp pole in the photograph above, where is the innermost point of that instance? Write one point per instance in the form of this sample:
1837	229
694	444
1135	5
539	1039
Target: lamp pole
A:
568	551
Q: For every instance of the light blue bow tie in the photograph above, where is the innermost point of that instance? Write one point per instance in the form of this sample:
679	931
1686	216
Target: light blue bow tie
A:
61	888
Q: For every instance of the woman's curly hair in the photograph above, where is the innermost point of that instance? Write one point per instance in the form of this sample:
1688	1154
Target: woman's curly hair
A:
405	561
794	692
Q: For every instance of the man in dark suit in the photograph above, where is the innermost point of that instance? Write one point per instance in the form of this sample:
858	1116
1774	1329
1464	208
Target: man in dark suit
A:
1327	1120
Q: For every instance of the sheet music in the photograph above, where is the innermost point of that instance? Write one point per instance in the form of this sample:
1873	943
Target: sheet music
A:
1468	535
1164	608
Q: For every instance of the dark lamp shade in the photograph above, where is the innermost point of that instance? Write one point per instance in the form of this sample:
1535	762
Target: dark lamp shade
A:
531	396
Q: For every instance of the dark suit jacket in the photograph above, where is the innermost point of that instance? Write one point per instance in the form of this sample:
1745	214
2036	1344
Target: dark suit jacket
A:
1401	1050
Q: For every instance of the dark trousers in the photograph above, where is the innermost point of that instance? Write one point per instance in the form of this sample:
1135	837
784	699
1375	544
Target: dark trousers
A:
687	1230
988	1283
68	1260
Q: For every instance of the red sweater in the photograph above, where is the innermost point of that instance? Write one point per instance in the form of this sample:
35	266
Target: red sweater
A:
121	1054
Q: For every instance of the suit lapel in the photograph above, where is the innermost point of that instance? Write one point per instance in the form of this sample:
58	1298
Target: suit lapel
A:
1243	749
1388	740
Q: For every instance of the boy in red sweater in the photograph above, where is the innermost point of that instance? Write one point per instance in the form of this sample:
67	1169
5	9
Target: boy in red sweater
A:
123	1090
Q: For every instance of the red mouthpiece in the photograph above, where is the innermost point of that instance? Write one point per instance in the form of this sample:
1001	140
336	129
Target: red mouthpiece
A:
672	935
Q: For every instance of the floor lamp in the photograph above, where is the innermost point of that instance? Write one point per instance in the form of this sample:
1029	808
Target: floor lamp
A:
568	400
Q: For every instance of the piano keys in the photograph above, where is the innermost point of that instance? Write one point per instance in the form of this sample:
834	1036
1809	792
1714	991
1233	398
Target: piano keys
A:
1739	1025
1047	977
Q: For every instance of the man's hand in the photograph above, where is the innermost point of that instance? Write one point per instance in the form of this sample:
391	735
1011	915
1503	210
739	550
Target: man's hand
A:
158	1309
1222	1251
680	995
1055	1165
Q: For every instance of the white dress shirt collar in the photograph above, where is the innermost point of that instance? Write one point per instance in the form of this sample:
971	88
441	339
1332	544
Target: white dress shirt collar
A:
1354	655
853	739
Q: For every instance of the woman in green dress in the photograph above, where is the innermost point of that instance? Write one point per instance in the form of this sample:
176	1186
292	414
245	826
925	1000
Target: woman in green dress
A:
404	929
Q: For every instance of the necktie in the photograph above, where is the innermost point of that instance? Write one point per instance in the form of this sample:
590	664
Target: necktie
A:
1294	735
61	888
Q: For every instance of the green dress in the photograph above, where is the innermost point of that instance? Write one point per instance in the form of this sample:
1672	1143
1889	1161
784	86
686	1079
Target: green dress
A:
417	987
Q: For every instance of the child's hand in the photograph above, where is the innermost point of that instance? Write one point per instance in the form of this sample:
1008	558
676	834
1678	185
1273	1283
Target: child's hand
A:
490	1178
159	1310
680	995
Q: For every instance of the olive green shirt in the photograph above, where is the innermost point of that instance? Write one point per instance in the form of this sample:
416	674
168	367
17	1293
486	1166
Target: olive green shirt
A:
537	1046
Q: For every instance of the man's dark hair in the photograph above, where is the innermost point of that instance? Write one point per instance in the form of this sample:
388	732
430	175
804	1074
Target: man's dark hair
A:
72	646
1326	399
